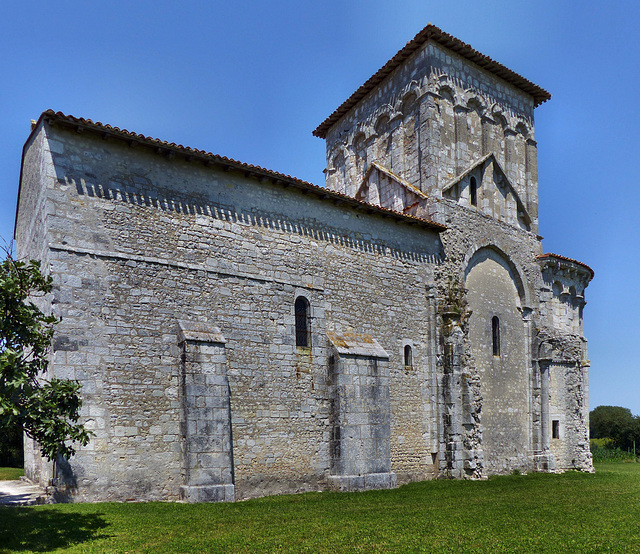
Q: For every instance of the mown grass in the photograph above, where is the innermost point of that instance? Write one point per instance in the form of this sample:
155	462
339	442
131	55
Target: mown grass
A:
11	473
573	512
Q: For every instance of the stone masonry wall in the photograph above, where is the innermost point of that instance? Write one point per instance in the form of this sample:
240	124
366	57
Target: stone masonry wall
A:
36	168
505	373
562	354
138	241
360	422
506	382
429	121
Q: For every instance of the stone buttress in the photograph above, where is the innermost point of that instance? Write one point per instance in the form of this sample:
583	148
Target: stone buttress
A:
206	441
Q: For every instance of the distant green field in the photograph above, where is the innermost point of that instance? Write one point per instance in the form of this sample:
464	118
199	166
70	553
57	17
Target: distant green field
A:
11	473
602	451
572	512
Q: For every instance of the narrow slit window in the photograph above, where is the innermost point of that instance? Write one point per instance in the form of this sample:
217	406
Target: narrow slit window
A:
408	356
555	429
495	328
303	327
473	191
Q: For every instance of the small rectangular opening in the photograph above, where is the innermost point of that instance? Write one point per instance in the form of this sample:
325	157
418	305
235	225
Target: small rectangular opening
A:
555	429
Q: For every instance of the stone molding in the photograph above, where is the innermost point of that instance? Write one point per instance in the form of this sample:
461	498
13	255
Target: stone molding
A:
355	344
167	263
197	331
208	493
368	481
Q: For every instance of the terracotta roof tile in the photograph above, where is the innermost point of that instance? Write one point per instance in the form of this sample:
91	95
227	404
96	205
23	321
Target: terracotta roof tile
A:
81	124
431	32
564	258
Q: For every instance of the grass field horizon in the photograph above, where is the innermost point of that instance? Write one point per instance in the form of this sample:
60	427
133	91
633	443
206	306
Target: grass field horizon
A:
570	512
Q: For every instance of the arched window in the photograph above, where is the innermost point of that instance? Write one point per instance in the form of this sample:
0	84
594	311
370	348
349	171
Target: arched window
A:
473	191
303	322
495	329
408	356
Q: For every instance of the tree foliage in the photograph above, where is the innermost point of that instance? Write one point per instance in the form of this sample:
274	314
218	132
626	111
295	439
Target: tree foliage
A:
616	423
46	409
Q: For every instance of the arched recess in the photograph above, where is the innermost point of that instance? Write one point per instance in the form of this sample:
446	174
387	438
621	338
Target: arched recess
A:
499	117
520	169
522	128
448	133
384	139
408	97
475	110
499	139
382	124
360	153
447	93
409	103
496	295
482	249
336	173
410	136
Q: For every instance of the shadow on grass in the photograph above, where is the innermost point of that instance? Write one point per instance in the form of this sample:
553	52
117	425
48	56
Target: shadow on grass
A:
42	530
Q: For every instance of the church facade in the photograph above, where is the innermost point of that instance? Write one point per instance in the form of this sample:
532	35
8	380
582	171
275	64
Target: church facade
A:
238	332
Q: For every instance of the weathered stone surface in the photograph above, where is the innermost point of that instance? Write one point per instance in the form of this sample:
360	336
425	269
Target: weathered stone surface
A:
176	274
356	344
208	493
350	483
197	331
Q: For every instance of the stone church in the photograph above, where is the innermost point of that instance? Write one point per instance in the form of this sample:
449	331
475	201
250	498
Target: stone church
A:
238	332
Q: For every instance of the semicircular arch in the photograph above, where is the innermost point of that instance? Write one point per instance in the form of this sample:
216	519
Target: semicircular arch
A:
478	254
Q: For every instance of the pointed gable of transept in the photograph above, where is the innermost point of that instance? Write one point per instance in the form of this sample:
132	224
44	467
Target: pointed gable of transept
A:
486	187
384	188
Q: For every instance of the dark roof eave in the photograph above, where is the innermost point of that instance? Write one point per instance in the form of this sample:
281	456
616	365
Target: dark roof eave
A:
81	124
431	32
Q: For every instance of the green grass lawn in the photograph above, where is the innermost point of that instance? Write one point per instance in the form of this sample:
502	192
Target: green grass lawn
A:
573	512
11	473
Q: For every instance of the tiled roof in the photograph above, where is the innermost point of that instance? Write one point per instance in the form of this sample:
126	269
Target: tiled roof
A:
171	149
431	32
565	259
390	174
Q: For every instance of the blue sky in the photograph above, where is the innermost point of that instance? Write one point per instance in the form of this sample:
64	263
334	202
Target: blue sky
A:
251	80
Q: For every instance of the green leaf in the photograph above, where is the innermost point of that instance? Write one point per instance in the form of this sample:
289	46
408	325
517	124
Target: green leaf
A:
47	411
